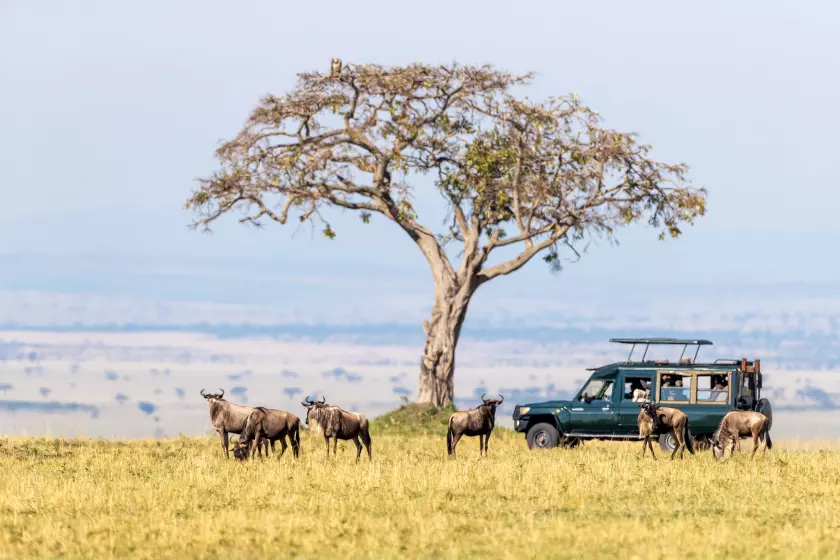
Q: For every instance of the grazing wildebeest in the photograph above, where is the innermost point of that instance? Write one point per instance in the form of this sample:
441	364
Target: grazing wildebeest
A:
664	416
338	424
476	422
227	418
741	423
273	425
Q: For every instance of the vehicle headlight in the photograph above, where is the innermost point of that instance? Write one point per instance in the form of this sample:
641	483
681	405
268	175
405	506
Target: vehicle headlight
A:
524	410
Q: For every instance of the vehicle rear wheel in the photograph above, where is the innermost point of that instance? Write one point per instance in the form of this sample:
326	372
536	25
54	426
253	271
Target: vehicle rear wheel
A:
667	442
763	406
542	436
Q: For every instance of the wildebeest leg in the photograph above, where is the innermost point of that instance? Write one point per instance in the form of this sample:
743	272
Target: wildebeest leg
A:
283	445
455	439
335	444
645	445
486	441
358	447
679	444
681	439
327	441
256	444
650	444
480	444
732	447
366	440
224	435
755	445
738	442
271	441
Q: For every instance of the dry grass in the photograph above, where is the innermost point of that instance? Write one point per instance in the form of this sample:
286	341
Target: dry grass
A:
179	498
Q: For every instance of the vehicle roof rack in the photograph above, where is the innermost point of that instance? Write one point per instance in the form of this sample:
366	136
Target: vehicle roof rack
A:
685	343
675	341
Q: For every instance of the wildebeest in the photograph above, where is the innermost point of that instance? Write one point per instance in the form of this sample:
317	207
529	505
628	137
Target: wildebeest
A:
227	418
648	425
651	421
741	423
476	422
272	425
338	424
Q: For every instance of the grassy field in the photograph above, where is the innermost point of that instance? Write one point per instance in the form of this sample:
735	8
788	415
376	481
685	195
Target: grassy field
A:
180	498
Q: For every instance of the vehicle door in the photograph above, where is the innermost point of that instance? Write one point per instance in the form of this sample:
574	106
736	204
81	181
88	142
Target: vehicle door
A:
597	416
713	399
628	409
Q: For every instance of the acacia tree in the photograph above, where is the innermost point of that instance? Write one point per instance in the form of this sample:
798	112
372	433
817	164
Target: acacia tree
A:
520	178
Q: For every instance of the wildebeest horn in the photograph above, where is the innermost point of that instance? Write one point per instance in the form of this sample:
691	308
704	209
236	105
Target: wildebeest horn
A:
307	402
323	399
482	397
221	393
502	397
202	393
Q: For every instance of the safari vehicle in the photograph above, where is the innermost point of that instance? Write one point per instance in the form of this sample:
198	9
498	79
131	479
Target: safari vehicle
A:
607	405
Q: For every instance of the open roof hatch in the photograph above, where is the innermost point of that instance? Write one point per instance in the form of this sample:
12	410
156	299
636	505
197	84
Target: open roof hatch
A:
647	342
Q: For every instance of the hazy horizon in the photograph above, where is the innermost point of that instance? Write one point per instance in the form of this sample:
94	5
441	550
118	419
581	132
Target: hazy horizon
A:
112	111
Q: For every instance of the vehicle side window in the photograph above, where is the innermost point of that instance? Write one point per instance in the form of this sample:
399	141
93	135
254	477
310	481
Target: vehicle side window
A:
713	388
608	391
636	389
596	390
674	387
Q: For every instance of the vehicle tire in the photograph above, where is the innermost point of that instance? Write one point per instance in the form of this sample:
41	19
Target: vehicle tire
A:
667	442
763	406
542	436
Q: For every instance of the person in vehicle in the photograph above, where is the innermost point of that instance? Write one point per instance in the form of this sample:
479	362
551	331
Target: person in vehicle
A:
720	392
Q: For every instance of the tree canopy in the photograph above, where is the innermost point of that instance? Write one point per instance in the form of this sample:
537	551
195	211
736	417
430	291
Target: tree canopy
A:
534	176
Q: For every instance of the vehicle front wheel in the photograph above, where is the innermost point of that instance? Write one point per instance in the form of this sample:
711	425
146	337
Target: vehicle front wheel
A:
667	442
542	436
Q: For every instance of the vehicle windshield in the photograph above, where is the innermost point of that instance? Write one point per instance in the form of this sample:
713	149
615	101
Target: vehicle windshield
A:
597	389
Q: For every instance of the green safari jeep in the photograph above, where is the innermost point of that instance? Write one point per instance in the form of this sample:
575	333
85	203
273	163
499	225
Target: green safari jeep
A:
607	406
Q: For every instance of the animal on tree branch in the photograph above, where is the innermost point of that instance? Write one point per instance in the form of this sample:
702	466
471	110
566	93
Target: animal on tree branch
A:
530	177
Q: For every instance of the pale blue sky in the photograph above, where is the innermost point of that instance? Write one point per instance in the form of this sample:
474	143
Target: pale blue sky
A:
108	112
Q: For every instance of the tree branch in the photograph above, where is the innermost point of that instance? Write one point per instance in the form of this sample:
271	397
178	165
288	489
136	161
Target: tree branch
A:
523	258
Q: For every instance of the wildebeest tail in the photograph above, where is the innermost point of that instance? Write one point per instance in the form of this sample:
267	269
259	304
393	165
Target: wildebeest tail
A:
294	435
689	444
449	438
767	436
364	432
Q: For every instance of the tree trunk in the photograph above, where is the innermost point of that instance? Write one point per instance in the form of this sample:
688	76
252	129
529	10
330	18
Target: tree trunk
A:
436	384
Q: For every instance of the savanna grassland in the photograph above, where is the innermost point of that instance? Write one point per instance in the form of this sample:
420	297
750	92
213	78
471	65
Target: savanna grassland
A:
180	498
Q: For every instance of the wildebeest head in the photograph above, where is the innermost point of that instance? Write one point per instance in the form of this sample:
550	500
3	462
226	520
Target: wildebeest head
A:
209	396
314	409
241	451
492	403
650	410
